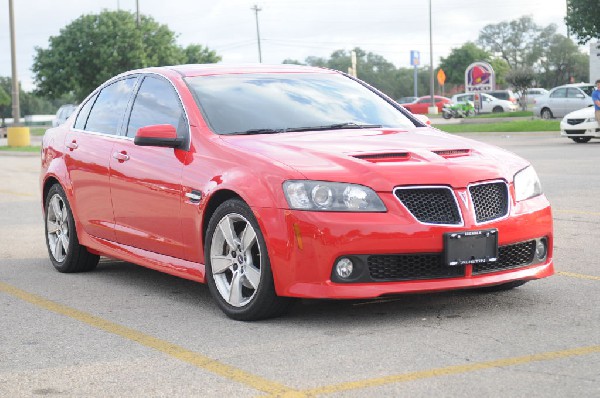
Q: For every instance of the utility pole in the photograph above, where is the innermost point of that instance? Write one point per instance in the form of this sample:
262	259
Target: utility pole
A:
16	110
432	109
137	12
256	10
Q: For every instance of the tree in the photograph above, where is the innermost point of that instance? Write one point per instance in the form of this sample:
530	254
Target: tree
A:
521	79
5	102
519	42
94	48
459	60
563	63
582	19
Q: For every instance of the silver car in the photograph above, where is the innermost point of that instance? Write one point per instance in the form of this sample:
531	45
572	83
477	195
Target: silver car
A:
564	99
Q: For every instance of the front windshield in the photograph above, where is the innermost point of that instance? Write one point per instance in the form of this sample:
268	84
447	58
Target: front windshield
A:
277	102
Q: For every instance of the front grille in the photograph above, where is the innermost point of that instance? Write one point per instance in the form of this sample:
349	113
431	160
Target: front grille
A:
403	267
489	200
509	256
431	205
410	267
575	131
573	122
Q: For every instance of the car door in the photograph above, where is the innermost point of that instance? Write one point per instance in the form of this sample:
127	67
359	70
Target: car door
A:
89	146
145	181
557	102
576	99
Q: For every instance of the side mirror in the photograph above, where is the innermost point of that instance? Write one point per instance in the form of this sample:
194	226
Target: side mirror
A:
162	135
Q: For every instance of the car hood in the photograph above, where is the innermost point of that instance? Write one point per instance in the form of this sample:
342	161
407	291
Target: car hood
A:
383	159
585	113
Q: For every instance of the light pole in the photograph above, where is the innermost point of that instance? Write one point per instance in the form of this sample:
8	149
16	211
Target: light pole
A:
256	10
16	110
432	109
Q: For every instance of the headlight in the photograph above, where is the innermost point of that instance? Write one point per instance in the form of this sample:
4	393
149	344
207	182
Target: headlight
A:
590	120
527	184
331	196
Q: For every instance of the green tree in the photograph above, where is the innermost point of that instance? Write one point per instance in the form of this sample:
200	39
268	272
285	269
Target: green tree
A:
519	42
521	79
5	103
458	61
563	63
197	54
582	19
94	48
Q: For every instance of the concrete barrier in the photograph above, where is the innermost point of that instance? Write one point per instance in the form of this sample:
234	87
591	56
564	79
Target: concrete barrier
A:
19	136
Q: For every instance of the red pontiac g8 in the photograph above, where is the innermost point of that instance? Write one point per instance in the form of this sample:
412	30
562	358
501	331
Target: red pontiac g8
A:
271	183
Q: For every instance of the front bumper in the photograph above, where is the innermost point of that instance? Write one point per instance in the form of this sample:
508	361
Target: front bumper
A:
586	129
304	246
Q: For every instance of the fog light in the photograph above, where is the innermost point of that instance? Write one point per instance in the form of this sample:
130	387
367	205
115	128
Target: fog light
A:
541	249
344	267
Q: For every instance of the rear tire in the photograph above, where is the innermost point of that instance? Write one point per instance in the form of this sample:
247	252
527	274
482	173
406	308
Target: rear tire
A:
238	270
581	140
66	254
502	287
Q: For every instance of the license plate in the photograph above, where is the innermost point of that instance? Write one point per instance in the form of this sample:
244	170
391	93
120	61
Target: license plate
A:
471	247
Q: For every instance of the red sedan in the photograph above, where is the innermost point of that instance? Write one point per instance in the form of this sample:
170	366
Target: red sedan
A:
270	183
421	105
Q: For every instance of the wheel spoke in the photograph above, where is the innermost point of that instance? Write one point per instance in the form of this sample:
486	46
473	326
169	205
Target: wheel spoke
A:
220	264
57	250
235	290
56	208
53	227
226	228
64	240
252	276
248	238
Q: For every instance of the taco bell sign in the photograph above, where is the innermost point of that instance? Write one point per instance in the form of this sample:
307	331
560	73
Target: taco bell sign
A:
480	76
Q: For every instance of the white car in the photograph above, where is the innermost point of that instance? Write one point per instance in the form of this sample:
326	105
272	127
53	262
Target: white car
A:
489	104
63	114
580	126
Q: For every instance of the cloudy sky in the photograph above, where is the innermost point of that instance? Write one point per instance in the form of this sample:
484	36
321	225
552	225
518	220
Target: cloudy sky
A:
288	28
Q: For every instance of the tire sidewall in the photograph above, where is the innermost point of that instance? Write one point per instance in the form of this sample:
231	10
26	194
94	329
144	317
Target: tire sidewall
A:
265	291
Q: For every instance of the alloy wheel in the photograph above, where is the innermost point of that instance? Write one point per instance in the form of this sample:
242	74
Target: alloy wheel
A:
236	260
57	222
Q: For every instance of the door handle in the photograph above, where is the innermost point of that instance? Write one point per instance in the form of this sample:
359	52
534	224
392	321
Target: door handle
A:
72	145
121	156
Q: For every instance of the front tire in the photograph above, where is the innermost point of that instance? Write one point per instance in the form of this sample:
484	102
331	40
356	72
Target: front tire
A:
497	109
581	140
238	270
66	254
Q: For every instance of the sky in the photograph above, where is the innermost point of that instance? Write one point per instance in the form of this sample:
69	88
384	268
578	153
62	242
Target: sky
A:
293	29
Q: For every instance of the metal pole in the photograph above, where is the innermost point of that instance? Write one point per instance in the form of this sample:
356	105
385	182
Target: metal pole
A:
431	79
16	110
137	12
415	76
256	10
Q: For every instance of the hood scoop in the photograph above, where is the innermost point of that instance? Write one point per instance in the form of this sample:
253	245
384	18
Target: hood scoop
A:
453	153
384	157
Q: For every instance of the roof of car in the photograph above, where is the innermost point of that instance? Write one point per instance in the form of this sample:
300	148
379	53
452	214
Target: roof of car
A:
222	69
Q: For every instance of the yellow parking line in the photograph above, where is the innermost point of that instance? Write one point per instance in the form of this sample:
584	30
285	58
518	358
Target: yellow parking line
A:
13	193
580	276
453	370
173	350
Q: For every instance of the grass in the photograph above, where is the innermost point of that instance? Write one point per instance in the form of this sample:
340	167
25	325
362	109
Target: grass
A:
516	126
504	114
29	148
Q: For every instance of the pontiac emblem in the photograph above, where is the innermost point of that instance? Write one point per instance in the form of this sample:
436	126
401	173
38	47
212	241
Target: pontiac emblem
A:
463	197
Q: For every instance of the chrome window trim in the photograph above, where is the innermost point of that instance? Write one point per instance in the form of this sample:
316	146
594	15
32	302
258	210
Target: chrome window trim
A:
462	221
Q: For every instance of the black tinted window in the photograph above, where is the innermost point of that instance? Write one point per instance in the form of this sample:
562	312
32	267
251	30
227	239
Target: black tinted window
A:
236	103
157	103
110	106
82	117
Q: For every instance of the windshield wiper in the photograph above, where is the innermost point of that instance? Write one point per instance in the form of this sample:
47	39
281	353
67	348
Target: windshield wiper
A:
258	131
337	126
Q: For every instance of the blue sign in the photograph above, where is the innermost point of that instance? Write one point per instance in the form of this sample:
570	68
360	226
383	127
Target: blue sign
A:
415	58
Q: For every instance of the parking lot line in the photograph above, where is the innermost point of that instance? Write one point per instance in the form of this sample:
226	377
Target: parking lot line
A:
13	193
580	276
173	350
453	370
